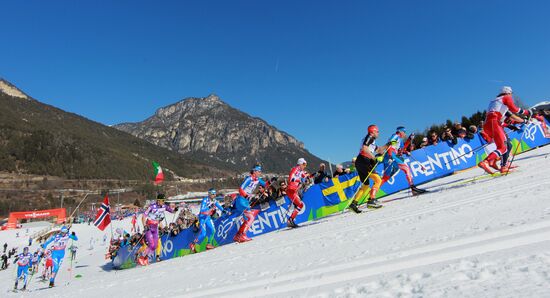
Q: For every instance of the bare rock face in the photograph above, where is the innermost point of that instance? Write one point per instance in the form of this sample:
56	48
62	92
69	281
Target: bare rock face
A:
9	89
209	129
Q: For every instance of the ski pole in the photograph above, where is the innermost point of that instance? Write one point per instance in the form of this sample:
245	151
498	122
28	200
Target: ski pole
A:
71	267
366	178
519	145
30	278
421	165
473	150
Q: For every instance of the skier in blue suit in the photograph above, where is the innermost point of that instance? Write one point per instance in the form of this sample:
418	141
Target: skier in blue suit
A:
59	241
24	262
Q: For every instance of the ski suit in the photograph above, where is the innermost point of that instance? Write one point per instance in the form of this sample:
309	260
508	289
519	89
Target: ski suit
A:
242	202
24	262
35	261
208	207
58	250
493	128
134	221
48	264
365	164
296	177
393	162
154	214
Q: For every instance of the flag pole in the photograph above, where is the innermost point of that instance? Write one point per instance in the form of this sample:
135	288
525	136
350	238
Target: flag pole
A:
111	223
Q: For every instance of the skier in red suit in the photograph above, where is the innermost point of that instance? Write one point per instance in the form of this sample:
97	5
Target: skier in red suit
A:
296	178
493	127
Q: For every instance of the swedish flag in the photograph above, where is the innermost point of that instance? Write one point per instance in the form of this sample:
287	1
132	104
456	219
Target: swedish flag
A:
341	188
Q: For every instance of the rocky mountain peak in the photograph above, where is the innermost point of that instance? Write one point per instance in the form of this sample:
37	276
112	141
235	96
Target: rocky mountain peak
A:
211	129
9	89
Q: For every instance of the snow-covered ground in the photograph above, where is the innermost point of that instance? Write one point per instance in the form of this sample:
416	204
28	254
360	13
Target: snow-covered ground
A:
489	238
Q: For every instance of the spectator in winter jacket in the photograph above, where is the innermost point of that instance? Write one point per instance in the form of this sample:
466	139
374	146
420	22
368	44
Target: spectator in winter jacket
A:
433	139
282	189
456	128
424	142
321	175
339	171
461	133
4	261
448	136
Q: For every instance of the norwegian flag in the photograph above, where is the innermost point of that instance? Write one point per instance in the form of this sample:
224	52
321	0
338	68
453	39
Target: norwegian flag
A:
103	216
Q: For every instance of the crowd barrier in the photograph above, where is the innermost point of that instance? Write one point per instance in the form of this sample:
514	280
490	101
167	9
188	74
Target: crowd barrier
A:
427	164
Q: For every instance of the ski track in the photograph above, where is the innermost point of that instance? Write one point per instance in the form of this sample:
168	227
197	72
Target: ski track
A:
487	238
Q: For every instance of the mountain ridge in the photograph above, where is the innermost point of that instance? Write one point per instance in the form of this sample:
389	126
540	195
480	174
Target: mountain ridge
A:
212	130
37	138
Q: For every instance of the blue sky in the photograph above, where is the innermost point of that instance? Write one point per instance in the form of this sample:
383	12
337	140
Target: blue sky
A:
319	70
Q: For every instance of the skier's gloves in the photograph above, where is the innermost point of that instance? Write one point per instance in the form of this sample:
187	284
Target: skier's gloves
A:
513	128
73	233
529	113
380	158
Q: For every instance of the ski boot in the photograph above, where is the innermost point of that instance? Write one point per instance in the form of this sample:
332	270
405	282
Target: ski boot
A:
374	204
506	169
485	166
354	208
24	288
241	238
193	247
51	284
417	191
15	287
291	224
493	164
209	246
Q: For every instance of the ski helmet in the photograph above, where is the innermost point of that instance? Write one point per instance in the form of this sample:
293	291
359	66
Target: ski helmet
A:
301	161
401	129
373	128
212	191
161	197
25	249
506	90
64	230
257	168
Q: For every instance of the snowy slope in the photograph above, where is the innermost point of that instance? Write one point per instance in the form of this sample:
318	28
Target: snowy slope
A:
489	238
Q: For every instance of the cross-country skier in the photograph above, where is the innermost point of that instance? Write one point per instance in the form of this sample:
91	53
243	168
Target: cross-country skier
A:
48	264
134	221
207	209
242	202
493	129
393	160
73	248
24	262
35	261
59	241
365	162
296	179
151	220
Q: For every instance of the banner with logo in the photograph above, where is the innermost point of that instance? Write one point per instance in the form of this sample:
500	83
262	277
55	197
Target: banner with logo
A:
273	217
443	159
320	200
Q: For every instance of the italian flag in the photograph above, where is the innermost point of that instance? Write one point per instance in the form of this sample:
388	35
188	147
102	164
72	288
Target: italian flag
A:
159	175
